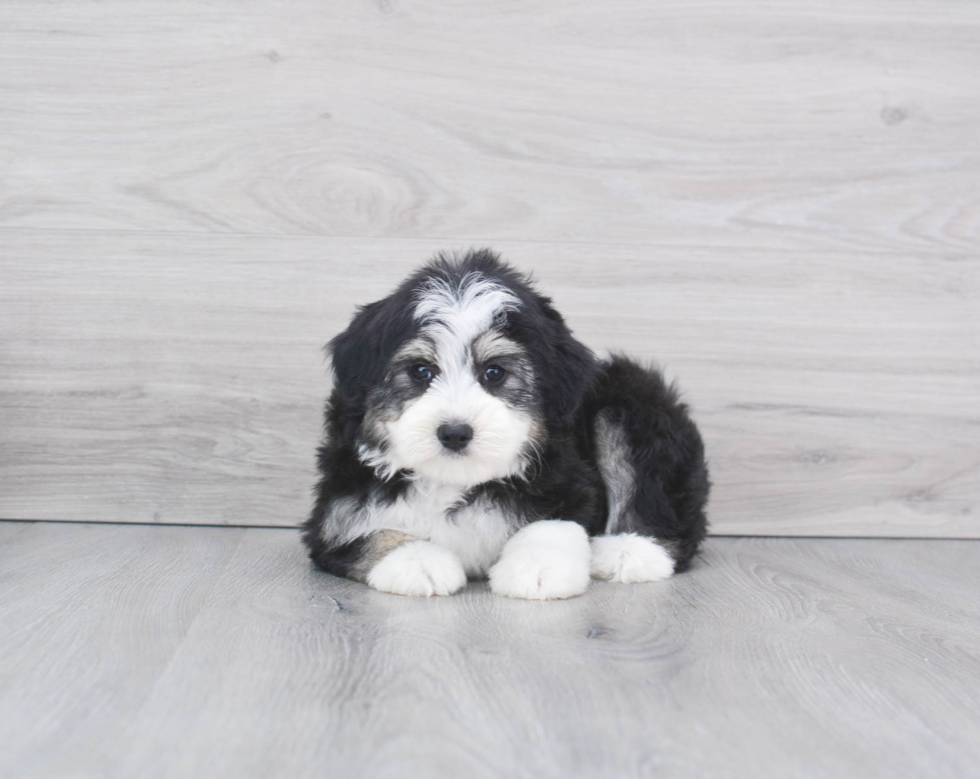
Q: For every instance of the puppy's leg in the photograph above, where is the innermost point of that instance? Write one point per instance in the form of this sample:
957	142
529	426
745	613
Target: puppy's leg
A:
418	568
544	560
651	459
629	558
392	561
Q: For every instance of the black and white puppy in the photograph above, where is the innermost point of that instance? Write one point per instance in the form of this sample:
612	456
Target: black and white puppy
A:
469	434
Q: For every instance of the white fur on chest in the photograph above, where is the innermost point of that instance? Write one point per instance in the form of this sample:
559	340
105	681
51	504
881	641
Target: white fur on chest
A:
475	533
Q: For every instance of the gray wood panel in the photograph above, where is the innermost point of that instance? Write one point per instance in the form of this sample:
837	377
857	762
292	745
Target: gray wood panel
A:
847	125
180	379
177	651
779	203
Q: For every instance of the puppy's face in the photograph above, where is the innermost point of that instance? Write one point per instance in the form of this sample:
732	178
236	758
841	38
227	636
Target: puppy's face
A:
457	403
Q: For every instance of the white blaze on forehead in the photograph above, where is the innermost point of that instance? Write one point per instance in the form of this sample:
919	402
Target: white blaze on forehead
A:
455	314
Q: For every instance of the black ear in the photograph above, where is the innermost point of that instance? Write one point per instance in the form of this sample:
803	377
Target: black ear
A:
573	366
362	352
354	356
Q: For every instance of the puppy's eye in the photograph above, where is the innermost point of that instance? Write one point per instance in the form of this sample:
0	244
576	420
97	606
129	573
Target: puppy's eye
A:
421	373
494	374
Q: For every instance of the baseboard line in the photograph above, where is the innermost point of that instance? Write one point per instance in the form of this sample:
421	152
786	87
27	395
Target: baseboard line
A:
297	527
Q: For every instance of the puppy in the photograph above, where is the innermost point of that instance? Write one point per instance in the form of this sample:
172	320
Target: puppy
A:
469	434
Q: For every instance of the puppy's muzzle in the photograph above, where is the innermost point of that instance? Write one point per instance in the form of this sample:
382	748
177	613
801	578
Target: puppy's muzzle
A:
455	435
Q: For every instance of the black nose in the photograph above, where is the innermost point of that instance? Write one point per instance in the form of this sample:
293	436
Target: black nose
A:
455	435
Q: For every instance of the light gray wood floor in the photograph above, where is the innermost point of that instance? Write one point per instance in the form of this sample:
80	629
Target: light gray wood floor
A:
201	651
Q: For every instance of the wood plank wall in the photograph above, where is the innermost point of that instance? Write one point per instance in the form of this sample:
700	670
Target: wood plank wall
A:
780	203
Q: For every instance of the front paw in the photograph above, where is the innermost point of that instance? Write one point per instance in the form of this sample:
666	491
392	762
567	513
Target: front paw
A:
418	568
543	561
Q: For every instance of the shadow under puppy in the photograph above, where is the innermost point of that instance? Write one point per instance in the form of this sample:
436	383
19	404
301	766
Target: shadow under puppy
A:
469	434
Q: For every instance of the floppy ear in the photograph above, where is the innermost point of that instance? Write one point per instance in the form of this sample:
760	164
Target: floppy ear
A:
574	367
356	358
360	355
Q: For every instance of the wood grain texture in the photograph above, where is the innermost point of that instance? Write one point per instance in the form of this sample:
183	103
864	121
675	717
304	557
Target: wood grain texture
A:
848	126
171	652
91	615
779	203
180	379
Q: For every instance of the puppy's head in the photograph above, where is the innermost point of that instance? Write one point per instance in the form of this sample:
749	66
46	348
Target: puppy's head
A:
459	376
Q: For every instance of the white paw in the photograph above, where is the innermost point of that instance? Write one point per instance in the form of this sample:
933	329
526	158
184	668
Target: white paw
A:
630	558
543	561
418	568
